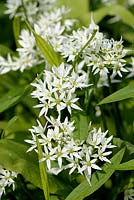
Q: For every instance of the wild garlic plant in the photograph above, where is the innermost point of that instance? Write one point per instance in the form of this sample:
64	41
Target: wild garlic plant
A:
57	92
87	59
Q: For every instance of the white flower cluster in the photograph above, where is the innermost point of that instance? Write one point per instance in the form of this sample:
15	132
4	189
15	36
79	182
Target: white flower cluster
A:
108	56
51	26
129	194
6	180
57	89
101	54
15	8
13	63
51	23
61	151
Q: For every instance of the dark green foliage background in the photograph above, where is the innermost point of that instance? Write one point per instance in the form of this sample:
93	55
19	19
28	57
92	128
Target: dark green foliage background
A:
17	114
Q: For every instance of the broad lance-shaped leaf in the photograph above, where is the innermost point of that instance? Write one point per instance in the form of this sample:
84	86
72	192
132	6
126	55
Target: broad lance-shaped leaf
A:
115	10
125	166
98	179
46	48
13	156
124	93
51	56
13	97
43	173
81	124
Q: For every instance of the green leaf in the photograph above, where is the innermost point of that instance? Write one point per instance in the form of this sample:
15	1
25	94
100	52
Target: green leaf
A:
13	97
48	51
129	36
81	124
4	50
46	48
122	143
2	9
54	198
115	10
79	9
13	157
125	166
9	125
98	179
16	128
124	93
43	173
16	30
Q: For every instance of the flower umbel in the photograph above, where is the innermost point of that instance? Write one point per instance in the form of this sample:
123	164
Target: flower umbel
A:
6	180
59	145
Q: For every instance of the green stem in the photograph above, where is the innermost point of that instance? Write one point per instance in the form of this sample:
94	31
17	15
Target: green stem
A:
24	9
43	172
103	119
87	43
115	114
98	98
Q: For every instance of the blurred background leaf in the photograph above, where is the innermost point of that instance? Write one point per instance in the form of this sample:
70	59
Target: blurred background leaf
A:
79	9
